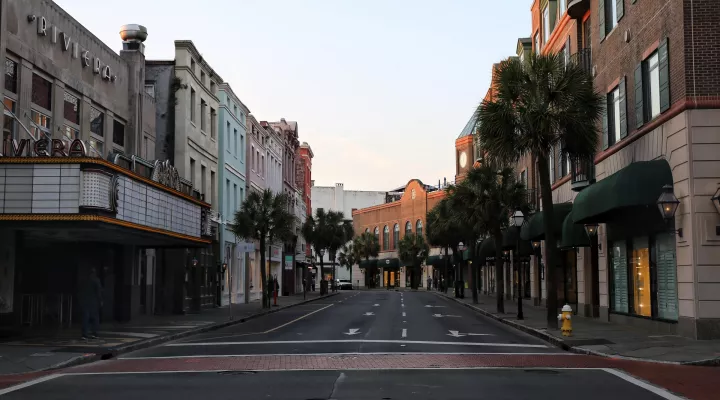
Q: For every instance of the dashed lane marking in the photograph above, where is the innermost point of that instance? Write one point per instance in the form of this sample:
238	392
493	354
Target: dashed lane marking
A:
279	342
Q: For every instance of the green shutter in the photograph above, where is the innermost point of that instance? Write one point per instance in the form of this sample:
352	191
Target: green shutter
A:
663	56
623	109
601	19
620	299
639	97
666	267
620	4
605	128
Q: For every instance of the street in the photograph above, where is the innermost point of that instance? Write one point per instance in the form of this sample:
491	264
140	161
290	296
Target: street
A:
357	345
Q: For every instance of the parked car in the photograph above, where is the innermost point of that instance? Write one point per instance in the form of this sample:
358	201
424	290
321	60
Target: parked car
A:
344	284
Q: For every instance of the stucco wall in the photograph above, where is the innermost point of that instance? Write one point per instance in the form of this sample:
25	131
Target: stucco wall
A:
336	198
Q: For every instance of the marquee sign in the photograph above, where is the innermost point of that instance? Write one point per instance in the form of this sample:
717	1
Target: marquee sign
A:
43	148
166	174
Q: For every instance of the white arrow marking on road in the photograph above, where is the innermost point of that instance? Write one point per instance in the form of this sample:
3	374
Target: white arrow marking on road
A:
429	306
404	333
369	313
376	305
352	332
442	316
404	315
458	334
455	334
479	334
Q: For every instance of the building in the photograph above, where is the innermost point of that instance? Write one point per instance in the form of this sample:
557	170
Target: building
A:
232	183
80	187
255	172
304	179
272	161
336	198
621	259
303	268
403	212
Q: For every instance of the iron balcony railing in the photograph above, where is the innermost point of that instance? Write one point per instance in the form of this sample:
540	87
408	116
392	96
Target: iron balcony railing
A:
583	172
532	198
583	58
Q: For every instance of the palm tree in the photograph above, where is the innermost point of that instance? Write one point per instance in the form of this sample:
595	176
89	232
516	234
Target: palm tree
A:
368	246
541	104
339	232
413	250
488	196
264	217
442	232
349	256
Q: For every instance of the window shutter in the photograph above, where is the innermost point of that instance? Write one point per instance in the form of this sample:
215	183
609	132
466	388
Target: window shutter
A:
601	19
664	61
620	4
623	109
605	129
639	97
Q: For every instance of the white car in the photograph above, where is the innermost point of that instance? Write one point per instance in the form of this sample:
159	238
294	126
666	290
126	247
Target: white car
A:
344	284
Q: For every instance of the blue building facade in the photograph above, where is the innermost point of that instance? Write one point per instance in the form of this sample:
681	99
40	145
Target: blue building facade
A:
232	120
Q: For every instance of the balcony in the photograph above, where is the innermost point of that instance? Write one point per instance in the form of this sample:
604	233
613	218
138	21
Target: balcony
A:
533	198
577	8
583	173
583	58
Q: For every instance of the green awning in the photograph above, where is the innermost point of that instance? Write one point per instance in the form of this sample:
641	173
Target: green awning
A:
368	263
436	261
511	239
487	249
389	263
573	235
534	229
624	193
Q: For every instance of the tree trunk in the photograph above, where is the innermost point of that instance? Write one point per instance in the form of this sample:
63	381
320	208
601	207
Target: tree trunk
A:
332	259
322	275
263	275
473	270
446	273
499	271
550	242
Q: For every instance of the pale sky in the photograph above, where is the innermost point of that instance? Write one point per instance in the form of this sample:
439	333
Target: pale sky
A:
380	88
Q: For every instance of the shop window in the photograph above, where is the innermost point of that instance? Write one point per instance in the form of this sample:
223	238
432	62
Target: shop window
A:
640	273
118	133
9	124
11	75
386	238
41	92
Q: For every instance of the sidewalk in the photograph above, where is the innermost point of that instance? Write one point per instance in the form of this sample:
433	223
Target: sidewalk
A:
37	350
591	336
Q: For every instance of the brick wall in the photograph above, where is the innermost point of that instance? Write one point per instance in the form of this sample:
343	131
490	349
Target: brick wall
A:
701	19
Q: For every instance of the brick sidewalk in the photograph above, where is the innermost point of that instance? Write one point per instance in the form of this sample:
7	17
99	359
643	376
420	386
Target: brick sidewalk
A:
592	336
37	350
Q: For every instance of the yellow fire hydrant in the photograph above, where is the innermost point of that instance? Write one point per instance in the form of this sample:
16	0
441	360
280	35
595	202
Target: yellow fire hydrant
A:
566	317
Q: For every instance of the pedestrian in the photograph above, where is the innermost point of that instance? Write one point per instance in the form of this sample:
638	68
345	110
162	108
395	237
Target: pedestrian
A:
90	303
429	283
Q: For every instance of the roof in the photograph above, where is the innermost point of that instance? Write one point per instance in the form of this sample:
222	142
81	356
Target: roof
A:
469	127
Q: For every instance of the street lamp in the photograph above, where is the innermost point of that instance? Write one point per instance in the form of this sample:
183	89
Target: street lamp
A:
591	230
460	284
323	283
668	205
518	221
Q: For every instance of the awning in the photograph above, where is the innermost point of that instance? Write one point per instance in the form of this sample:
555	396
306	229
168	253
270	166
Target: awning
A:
534	229
487	249
368	263
389	263
622	194
511	239
573	235
436	261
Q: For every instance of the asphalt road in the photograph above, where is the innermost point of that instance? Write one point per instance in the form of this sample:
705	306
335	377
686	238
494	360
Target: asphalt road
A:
357	345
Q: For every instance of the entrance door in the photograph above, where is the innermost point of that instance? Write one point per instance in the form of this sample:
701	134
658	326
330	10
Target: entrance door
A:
389	278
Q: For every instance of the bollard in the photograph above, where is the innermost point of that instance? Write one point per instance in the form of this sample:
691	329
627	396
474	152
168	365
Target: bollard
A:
566	317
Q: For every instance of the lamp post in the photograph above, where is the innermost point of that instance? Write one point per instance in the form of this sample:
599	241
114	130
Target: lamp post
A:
668	204
323	284
460	285
518	221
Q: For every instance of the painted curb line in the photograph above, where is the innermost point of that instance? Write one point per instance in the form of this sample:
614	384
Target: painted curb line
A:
555	341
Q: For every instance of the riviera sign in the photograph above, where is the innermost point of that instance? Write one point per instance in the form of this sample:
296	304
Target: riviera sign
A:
43	148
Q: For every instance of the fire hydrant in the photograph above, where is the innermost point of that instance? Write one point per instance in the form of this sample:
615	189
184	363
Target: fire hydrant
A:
566	317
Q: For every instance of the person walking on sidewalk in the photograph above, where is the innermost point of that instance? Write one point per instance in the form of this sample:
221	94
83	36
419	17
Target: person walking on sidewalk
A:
429	283
90	303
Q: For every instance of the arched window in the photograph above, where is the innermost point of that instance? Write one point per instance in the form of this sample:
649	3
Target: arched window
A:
367	230
418	227
396	235
386	238
377	233
408	228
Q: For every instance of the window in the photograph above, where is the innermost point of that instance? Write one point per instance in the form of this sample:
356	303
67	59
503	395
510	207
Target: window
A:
613	14
227	198
546	25
192	105
212	87
118	133
41	124
610	12
8	120
235	110
376	232
192	65
419	227
537	43
396	235
235	142
203	183
150	89
11	76
213	123
408	228
262	165
566	52
227	135
242	148
563	7
203	117
386	238
192	172
71	114
97	122
235	200
644	276
41	92
523	177
252	158
614	134
653	66
202	77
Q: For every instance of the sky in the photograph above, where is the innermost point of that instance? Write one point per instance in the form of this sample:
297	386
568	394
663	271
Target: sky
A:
380	88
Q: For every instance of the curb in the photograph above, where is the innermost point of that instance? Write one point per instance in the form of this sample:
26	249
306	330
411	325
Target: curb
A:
115	351
578	350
